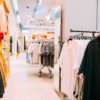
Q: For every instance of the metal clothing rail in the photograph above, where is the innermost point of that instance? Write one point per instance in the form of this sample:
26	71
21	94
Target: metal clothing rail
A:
92	32
71	30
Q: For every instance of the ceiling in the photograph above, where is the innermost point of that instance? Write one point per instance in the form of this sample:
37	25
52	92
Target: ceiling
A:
34	13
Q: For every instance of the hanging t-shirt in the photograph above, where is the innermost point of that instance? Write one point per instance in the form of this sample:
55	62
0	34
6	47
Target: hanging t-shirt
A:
69	61
3	23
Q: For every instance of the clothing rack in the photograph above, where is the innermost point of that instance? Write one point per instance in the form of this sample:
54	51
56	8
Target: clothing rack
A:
47	58
80	31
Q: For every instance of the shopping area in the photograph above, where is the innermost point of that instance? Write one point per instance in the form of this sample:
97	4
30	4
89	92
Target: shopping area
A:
49	50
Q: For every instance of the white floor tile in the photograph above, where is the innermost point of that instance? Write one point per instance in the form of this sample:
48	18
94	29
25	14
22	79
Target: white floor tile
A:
24	84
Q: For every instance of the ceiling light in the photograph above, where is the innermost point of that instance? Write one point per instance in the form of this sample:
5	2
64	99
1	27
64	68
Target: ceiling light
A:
25	31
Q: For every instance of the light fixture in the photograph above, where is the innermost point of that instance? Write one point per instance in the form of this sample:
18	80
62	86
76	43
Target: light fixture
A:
48	17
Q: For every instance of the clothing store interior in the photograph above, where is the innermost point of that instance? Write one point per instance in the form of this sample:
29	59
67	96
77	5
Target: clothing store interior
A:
49	50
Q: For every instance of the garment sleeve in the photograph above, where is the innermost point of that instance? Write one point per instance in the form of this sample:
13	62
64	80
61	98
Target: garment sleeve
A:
47	48
43	48
39	50
83	66
76	56
3	24
53	49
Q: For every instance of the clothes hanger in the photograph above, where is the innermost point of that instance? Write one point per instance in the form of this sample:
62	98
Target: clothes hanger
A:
70	38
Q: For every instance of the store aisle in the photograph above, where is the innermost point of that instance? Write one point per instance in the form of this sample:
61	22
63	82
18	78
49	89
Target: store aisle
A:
24	84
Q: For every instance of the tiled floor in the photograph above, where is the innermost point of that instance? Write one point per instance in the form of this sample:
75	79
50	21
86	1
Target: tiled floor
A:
24	84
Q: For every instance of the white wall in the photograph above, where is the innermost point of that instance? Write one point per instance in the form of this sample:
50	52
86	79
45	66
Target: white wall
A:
80	15
98	15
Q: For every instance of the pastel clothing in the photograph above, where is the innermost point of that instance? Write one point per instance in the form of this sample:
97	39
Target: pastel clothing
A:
3	22
69	61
